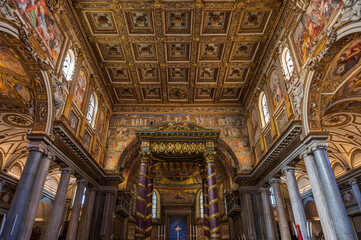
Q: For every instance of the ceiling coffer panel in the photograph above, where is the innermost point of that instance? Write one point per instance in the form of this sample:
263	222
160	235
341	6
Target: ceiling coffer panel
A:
186	52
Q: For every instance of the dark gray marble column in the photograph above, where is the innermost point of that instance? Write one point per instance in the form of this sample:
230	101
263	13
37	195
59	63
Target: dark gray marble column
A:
269	218
296	202
281	211
108	212
341	221
247	212
35	196
57	211
15	218
74	219
87	213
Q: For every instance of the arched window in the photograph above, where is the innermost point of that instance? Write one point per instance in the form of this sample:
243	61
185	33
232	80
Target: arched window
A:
264	109
92	107
201	208
68	65
287	62
154	205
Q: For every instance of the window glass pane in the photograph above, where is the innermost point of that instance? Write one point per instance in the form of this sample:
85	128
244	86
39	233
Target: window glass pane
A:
91	109
201	210
154	205
265	109
289	62
68	66
273	200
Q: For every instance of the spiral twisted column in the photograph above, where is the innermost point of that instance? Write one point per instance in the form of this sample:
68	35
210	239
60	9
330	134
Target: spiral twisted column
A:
149	203
213	213
205	204
141	196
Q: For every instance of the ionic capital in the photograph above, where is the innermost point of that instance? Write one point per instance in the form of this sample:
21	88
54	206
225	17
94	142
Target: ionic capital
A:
288	169
317	145
274	181
37	146
265	190
81	182
353	181
51	156
67	169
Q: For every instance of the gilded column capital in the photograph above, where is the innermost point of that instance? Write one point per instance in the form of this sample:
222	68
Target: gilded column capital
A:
210	156
144	156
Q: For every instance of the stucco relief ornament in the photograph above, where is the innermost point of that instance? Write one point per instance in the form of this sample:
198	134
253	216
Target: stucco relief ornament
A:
352	11
6	11
296	90
59	94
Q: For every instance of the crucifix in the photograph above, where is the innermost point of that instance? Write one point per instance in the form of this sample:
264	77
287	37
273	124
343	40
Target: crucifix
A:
177	229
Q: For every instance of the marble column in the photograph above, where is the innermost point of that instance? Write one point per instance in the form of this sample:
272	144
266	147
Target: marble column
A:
356	191
281	211
74	219
35	196
269	218
125	229
341	221
213	214
15	218
148	218
141	196
320	197
56	217
296	202
87	213
108	214
247	213
231	228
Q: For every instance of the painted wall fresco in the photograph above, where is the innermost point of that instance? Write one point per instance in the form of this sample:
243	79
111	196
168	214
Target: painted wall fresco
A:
348	59
80	89
9	61
232	126
255	123
39	17
100	126
316	18
275	89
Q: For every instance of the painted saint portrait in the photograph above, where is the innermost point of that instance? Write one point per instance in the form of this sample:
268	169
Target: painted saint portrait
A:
348	59
86	139
39	17
316	18
80	89
9	61
100	125
275	89
73	121
282	121
255	123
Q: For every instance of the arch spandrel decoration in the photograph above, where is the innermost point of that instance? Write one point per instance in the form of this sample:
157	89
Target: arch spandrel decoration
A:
325	84
35	81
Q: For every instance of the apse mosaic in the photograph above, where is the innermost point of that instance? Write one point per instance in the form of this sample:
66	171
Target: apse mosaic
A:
316	18
39	18
233	132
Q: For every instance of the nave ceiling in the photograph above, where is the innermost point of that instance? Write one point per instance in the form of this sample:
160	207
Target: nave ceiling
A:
171	52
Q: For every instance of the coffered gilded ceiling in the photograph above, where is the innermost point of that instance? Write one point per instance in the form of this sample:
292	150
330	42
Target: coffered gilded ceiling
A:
169	52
